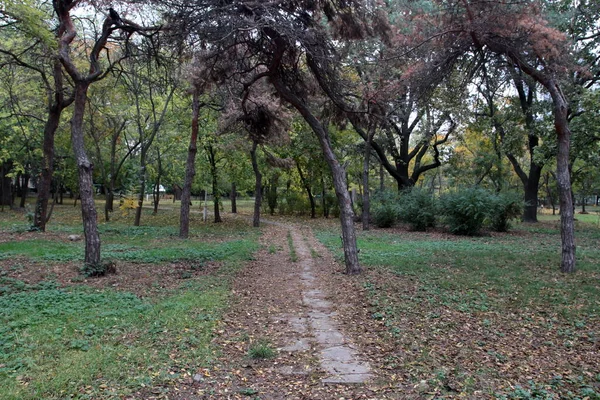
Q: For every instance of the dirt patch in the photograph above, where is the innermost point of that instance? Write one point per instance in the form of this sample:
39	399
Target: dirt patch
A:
144	280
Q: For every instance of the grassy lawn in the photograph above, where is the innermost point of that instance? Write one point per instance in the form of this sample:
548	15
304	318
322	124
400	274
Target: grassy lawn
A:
145	328
487	316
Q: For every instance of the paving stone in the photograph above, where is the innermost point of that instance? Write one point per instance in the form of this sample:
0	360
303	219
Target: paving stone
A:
317	303
330	338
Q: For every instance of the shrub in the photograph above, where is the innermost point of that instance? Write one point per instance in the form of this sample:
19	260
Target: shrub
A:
294	203
503	208
465	210
417	208
385	209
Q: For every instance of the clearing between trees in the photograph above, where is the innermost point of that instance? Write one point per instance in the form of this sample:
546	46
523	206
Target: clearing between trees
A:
235	312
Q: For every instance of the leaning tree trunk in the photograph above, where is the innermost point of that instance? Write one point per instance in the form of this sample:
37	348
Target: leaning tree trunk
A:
45	183
86	182
338	175
257	187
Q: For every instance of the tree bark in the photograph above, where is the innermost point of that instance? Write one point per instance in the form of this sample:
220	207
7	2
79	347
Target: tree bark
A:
24	189
233	198
214	174
156	191
5	184
86	182
142	189
563	177
366	209
190	170
257	187
58	104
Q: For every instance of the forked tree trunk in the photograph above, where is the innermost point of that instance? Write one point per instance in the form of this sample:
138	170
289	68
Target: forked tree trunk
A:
190	171
338	175
257	187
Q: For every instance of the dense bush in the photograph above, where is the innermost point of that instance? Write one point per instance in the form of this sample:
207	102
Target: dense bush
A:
503	208
294	203
417	208
465	210
385	209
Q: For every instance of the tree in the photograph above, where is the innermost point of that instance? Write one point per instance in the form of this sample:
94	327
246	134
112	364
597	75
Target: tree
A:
190	169
520	34
66	35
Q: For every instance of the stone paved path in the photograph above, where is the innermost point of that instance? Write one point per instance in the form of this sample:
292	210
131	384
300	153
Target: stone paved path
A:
338	358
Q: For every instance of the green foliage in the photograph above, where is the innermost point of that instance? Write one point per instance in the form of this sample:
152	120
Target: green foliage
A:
503	208
465	210
417	207
385	209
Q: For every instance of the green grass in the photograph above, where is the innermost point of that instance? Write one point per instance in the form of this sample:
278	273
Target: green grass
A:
63	341
486	272
262	349
78	342
293	255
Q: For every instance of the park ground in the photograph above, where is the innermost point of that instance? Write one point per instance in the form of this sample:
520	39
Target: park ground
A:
435	316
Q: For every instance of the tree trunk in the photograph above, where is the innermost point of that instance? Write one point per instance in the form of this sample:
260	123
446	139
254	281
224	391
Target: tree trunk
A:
338	175
214	174
45	183
257	187
216	196
86	182
311	198
24	189
531	187
5	184
190	170
366	209
567	229
233	198
156	191
142	189
323	199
